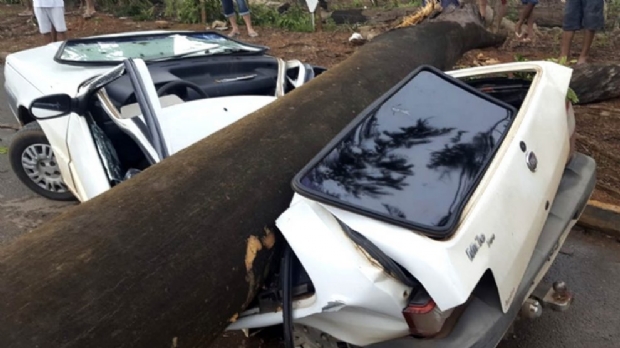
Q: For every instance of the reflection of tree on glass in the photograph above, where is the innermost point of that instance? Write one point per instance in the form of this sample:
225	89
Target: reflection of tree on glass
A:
467	158
366	162
414	158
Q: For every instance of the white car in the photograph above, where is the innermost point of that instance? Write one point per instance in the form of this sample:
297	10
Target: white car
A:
142	96
431	219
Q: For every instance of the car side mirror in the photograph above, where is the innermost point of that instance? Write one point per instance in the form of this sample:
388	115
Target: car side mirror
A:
51	106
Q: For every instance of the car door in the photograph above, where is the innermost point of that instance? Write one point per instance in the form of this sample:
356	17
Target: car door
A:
149	104
94	163
87	165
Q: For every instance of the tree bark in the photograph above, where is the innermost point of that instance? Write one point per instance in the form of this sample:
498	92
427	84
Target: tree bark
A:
169	257
596	82
372	15
549	16
350	16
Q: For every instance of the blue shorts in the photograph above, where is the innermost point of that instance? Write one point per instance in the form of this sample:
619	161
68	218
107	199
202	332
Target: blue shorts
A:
584	14
229	9
533	2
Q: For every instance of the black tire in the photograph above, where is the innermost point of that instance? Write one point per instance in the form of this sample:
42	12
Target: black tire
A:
29	135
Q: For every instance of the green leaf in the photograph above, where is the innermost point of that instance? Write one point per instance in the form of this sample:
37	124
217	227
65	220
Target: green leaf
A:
570	94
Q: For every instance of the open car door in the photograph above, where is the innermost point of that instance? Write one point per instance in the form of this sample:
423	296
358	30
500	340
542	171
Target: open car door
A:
138	120
149	105
95	163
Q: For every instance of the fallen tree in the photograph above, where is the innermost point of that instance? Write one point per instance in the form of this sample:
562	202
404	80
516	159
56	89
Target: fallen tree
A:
550	16
596	82
171	256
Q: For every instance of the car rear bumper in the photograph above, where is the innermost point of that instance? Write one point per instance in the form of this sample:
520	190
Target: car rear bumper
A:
483	324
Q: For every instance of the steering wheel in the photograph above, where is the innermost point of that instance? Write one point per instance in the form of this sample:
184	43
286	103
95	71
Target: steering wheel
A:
163	90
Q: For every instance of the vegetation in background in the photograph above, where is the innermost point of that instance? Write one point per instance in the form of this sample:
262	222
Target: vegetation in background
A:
570	95
297	18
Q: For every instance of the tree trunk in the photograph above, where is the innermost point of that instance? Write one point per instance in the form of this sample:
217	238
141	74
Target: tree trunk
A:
350	16
203	12
596	82
549	16
170	256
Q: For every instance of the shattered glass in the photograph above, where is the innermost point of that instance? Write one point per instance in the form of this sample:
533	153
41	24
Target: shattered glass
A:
144	46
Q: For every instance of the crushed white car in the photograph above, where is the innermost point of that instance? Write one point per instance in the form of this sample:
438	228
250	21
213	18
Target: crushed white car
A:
430	221
435	214
142	97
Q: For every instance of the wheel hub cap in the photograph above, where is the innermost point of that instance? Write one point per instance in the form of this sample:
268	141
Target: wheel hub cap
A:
40	165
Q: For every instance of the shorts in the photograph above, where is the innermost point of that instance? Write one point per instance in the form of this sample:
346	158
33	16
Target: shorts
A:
533	2
584	14
229	9
50	16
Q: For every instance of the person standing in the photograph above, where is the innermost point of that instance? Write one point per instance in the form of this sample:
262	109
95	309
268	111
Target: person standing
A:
503	8
50	16
28	12
482	8
244	12
90	9
581	14
497	20
527	15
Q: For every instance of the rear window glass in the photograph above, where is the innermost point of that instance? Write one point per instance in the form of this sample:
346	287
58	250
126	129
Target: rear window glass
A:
414	157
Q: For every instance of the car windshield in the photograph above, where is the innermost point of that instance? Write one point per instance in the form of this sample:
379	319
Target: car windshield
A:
149	46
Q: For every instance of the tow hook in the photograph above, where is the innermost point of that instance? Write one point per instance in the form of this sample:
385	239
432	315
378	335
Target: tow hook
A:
557	296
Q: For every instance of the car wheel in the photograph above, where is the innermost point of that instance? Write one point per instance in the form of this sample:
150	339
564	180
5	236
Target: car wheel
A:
34	163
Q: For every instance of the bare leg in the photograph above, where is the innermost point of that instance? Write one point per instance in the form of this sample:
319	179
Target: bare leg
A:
525	14
47	38
248	24
567	38
62	36
233	23
530	23
588	37
29	12
501	14
502	11
54	36
90	8
482	7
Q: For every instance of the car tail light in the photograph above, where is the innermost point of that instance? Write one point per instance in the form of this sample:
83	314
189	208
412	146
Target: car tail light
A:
423	316
570	114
